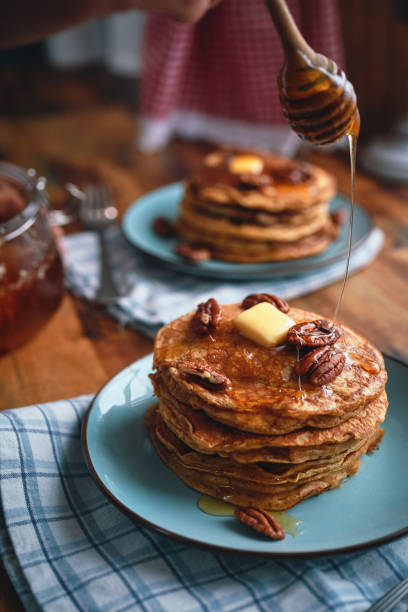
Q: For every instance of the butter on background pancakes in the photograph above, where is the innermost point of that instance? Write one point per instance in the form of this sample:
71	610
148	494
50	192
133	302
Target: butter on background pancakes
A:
260	441
253	206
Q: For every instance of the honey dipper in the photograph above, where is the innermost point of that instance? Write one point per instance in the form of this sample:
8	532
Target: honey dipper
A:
316	97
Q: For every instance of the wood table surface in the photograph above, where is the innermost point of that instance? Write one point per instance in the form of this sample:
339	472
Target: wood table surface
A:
81	348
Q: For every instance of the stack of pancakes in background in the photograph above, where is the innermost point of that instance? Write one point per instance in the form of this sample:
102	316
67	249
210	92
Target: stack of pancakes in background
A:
250	207
233	422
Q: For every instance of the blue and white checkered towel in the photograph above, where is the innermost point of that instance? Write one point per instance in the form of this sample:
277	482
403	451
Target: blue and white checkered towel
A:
66	547
154	295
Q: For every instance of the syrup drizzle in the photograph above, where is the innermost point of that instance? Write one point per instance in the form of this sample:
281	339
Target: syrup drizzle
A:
352	139
299	379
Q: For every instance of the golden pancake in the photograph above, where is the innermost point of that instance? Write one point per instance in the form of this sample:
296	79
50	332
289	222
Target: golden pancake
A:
262	473
253	207
244	251
264	396
271	453
205	435
238	214
234	422
282	184
282	232
248	484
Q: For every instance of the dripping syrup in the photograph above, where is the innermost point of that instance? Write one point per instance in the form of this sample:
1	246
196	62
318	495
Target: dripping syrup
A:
352	140
299	396
321	107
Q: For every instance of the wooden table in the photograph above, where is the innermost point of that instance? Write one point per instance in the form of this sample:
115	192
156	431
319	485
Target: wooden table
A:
81	348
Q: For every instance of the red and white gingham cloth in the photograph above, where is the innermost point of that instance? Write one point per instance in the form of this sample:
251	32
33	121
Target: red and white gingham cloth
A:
216	79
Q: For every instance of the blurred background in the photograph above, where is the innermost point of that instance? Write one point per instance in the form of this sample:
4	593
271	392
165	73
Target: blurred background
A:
69	105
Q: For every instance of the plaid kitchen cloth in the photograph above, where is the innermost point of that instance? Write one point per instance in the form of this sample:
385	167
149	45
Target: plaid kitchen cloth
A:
152	295
66	547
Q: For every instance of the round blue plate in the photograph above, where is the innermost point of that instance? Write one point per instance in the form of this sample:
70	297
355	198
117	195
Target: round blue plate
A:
368	509
164	202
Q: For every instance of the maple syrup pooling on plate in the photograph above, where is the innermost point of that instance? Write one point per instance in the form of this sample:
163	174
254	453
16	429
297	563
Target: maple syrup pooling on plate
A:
217	507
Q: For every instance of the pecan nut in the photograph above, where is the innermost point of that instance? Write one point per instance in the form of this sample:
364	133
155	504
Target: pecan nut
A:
163	228
261	521
314	333
249	180
204	375
322	365
207	317
193	252
257	298
339	216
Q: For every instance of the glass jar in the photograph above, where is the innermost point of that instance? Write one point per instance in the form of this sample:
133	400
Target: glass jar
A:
31	272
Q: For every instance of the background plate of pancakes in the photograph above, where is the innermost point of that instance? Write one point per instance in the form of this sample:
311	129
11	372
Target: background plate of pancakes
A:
165	202
368	509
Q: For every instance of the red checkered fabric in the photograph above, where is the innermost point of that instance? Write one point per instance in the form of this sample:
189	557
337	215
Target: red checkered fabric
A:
225	66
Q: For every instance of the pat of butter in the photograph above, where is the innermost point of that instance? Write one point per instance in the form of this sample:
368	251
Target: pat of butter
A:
264	324
246	163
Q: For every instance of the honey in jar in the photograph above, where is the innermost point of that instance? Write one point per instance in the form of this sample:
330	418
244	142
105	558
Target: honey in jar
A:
31	272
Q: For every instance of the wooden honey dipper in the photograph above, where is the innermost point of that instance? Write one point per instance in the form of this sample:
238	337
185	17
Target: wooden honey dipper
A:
316	97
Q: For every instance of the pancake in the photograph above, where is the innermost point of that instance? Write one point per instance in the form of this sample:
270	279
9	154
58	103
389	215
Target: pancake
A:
270	452
233	421
207	436
283	184
250	484
252	206
264	396
238	214
282	232
262	473
244	251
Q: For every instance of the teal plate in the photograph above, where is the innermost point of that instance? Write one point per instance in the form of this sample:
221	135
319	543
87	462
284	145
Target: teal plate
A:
164	202
368	509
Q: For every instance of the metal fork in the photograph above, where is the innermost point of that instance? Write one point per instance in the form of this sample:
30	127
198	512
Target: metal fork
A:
98	213
391	598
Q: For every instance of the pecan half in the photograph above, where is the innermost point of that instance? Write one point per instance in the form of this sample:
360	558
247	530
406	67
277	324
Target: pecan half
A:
249	180
339	216
193	252
163	228
207	317
322	365
314	333
261	521
204	375
257	298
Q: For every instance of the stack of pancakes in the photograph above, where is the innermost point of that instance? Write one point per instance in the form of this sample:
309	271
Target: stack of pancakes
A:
266	439
250	207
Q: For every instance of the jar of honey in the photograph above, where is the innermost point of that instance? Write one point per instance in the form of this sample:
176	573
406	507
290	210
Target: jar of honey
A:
31	272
